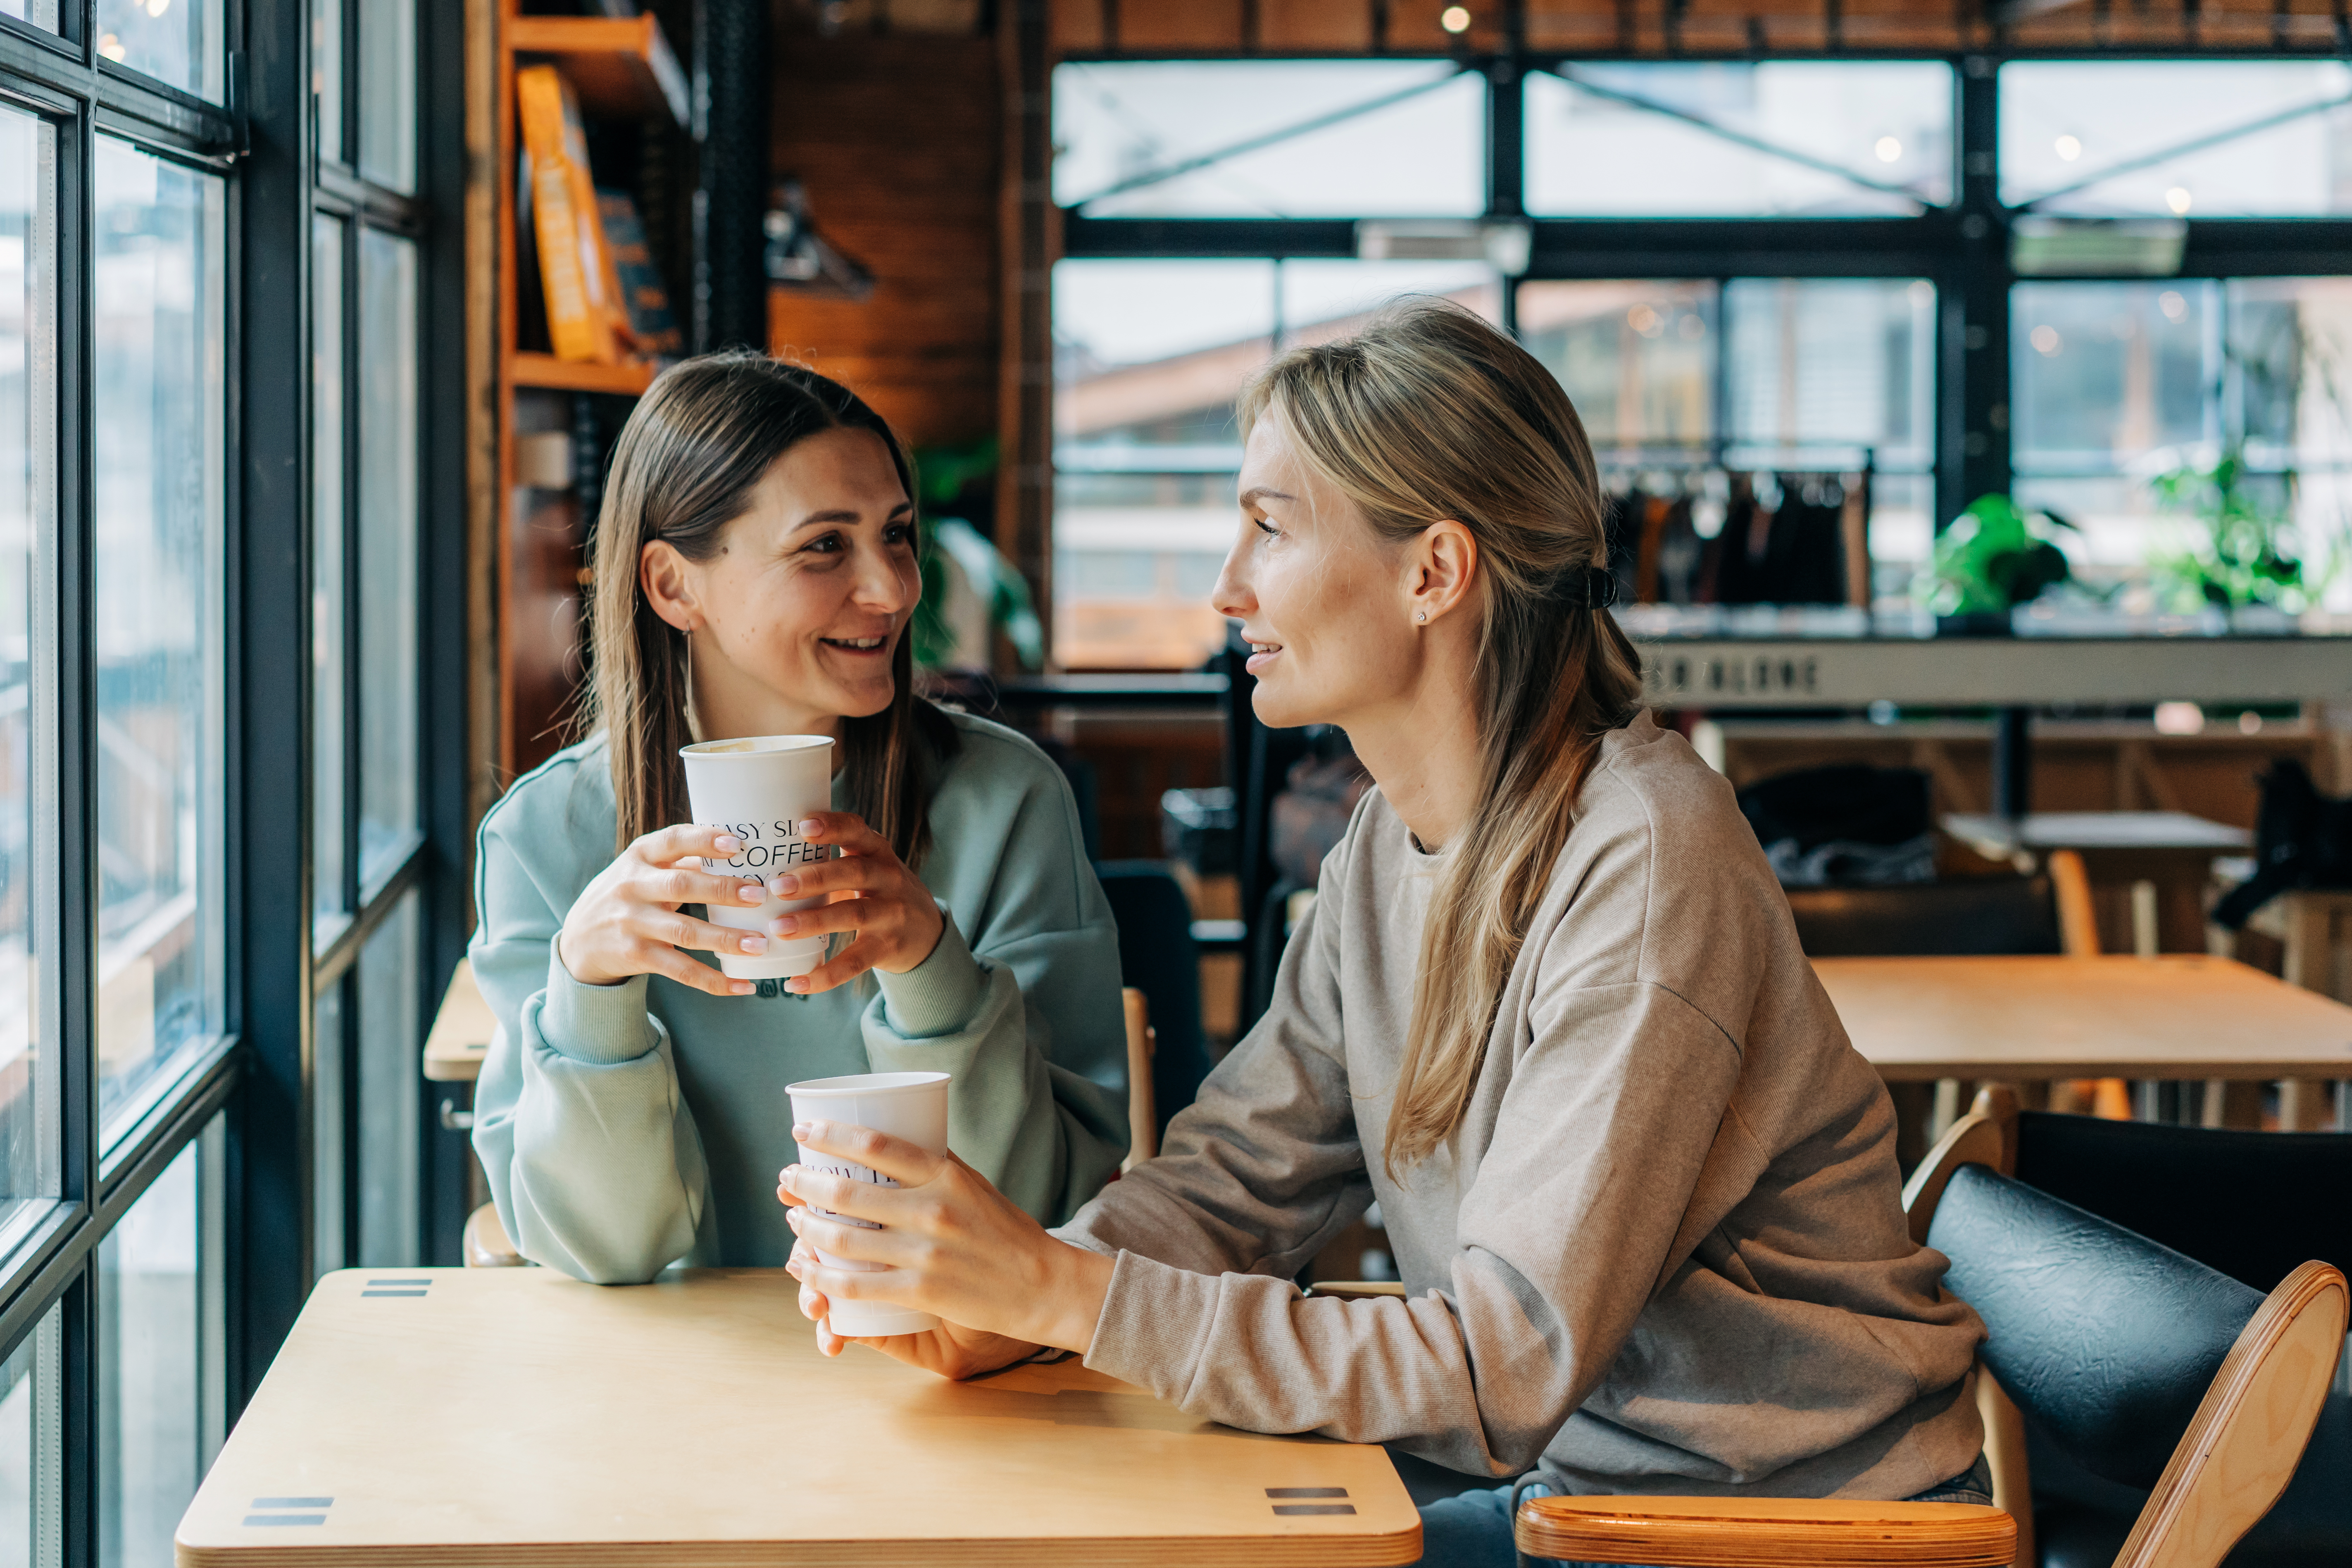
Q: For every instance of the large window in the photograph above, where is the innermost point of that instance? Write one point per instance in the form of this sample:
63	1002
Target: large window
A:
216	723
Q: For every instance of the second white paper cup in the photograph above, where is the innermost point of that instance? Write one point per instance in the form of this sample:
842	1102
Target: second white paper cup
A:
909	1105
758	789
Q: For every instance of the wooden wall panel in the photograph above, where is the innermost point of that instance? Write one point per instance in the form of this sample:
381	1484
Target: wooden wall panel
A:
1158	26
1074	26
897	139
1315	26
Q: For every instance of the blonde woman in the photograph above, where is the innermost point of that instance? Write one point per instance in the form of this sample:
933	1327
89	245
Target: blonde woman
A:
755	572
1548	1010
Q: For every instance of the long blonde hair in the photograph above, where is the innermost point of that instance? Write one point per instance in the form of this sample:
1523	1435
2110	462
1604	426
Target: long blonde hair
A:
1430	414
693	450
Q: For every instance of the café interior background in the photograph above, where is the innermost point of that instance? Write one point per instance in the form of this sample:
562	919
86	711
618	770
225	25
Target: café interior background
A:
295	488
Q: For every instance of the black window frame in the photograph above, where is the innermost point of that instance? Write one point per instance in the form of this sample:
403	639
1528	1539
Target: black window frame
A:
254	1078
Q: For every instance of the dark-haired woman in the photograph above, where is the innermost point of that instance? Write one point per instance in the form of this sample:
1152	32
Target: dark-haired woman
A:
755	573
1548	1010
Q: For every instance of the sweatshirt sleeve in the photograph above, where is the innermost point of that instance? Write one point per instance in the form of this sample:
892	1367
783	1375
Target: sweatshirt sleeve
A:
1025	1013
1264	1166
589	1147
1570	1225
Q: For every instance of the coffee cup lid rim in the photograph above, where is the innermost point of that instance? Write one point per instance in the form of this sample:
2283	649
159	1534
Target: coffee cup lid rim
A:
754	746
866	1083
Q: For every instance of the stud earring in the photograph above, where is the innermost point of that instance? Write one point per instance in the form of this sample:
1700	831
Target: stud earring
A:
1424	615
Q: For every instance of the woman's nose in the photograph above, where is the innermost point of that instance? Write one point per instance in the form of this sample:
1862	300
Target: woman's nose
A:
882	586
1230	597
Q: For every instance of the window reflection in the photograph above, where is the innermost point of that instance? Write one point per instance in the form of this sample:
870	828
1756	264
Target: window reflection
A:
39	12
148	1370
1789	138
1636	358
1348	138
388	551
32	1445
387	43
391	1028
181	43
156	614
29	1111
328	593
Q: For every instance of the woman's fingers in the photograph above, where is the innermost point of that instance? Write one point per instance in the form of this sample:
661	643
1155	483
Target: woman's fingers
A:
845	966
845	828
677	929
658	957
857	914
852	874
909	1165
665	845
856	1243
676	885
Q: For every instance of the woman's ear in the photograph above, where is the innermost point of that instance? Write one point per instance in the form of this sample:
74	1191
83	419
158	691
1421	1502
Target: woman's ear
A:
668	586
1441	568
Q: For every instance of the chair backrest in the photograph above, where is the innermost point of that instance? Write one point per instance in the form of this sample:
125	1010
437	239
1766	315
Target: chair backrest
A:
1142	1123
1158	957
2143	1365
2252	1205
2105	1340
1978	916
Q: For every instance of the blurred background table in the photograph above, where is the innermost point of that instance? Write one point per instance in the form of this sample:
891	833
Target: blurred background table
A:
2160	855
2029	1020
444	1416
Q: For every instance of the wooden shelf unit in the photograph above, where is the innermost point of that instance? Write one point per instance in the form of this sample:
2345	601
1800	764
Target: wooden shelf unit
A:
622	71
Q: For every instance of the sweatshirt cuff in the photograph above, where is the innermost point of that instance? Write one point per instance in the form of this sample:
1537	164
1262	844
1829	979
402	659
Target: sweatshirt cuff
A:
602	1026
1155	1324
939	995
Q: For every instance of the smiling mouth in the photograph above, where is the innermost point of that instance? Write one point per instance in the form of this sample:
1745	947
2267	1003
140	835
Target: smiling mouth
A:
856	645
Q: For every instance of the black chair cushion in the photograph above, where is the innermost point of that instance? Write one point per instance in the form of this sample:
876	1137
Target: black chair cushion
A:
2104	1339
2224	1198
2310	1528
1978	917
1157	956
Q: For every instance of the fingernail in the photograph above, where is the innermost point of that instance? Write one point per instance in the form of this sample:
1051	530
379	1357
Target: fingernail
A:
743	988
751	893
784	925
754	944
801	1129
786	887
728	844
811	828
798	985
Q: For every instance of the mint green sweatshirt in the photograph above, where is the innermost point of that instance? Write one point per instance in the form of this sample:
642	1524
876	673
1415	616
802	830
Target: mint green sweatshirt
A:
627	1127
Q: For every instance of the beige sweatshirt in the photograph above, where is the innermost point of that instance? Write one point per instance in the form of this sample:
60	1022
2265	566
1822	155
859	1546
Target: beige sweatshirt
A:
1666	1252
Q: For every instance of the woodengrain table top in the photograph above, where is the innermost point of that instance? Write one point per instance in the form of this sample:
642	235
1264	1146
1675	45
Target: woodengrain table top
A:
514	1415
462	1030
2180	1015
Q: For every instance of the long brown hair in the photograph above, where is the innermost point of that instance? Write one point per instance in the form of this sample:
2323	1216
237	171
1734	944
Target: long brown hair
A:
684	469
1430	414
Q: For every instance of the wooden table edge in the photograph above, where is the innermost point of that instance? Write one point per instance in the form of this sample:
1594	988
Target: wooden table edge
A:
1394	1549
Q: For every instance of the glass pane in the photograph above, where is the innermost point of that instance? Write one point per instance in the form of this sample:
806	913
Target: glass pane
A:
387	44
392	1033
2116	387
32	1502
1793	138
30	1122
180	43
2065	124
1324	138
39	12
329	899
388	551
327	74
1637	357
1149	356
1821	367
148	1362
157	617
330	1110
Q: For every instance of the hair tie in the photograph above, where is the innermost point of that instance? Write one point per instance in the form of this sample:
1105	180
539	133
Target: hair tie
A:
1586	587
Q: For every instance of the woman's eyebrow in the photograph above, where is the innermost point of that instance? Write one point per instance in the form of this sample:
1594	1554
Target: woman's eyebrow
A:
841	515
1257	493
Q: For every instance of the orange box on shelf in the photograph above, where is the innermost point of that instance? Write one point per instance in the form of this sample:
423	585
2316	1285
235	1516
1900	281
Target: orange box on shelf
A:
585	318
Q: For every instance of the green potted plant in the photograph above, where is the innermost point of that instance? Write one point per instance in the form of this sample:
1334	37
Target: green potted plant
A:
2242	553
969	587
1994	557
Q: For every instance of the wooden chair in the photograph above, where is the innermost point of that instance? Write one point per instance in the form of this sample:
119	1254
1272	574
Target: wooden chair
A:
486	1242
1142	1123
2143	1365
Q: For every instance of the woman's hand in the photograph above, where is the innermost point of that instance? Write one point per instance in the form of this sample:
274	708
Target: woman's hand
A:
896	919
627	921
951	1245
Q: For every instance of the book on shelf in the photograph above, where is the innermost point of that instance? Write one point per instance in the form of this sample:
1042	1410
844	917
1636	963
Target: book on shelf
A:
642	294
586	319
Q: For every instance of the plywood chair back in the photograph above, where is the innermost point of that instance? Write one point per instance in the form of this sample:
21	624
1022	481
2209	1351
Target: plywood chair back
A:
2070	889
1142	1118
486	1242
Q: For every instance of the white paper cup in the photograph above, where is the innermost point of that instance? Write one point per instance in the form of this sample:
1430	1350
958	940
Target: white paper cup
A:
909	1105
758	789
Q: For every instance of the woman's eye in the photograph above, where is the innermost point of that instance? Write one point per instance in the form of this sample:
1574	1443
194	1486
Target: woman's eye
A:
899	533
825	544
1265	527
